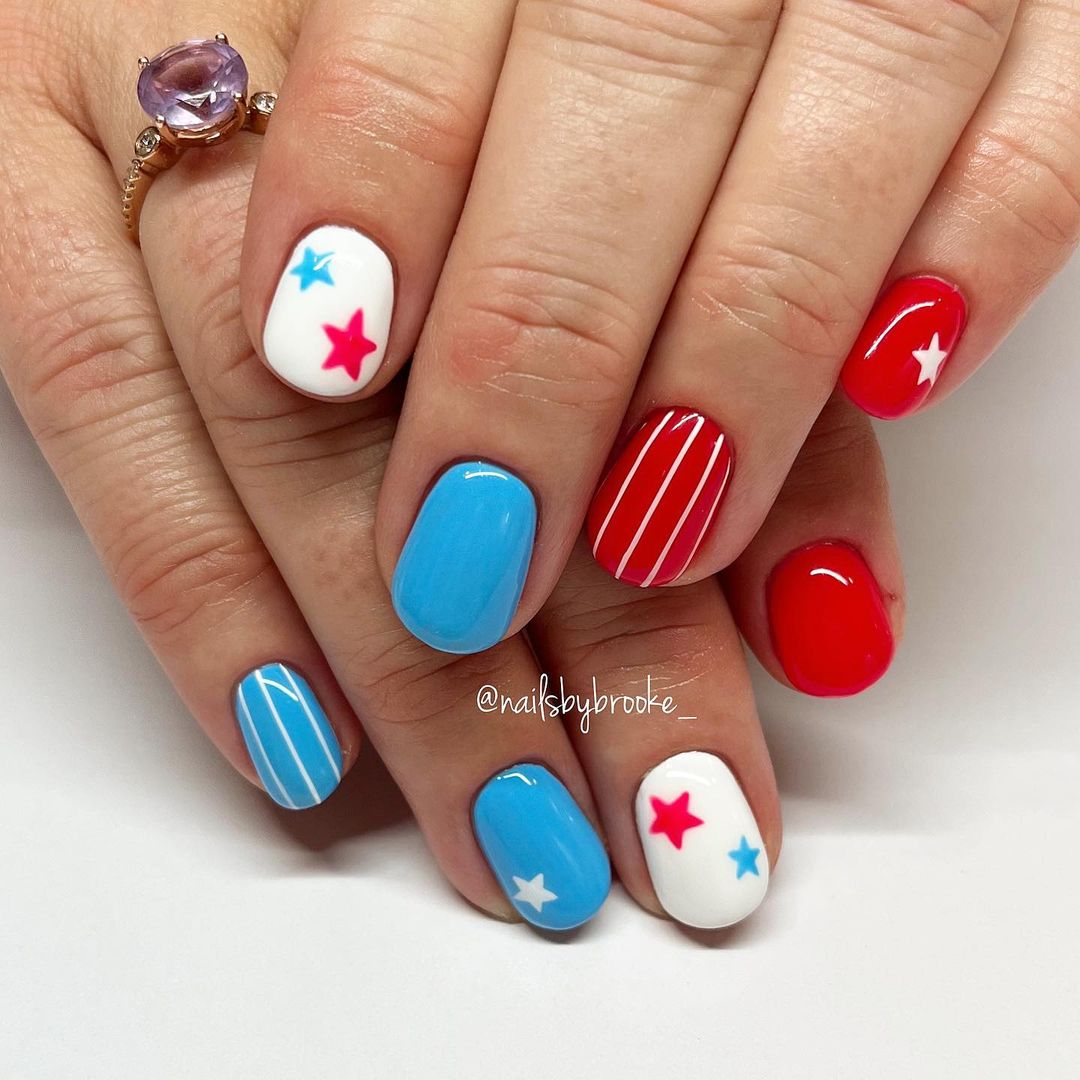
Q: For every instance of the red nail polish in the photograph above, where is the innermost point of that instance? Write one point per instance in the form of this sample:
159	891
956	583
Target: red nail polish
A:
830	629
654	507
904	345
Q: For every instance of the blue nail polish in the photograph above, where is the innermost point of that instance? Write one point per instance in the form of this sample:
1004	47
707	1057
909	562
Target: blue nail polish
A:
461	572
544	852
291	743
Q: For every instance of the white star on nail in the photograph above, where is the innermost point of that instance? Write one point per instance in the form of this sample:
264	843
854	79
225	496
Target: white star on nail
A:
930	360
533	892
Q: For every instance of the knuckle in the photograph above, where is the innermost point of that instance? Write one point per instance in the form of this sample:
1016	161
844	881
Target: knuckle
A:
991	17
688	41
180	574
405	683
404	88
310	452
542	330
1031	170
617	634
100	361
841	453
950	44
798	304
950	22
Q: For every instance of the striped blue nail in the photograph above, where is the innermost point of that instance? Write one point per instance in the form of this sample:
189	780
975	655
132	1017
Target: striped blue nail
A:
291	743
544	852
459	579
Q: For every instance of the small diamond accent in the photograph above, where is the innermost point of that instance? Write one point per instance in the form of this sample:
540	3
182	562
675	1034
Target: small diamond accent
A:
147	142
263	102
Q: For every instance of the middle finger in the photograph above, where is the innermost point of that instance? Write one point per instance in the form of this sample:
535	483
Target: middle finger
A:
856	112
585	200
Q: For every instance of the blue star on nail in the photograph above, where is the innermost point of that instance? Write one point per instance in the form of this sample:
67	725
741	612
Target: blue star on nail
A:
745	858
313	267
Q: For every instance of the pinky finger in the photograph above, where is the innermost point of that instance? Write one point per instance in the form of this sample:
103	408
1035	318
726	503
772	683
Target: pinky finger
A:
89	366
1001	221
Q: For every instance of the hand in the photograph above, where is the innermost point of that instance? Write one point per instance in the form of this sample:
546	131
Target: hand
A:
236	519
717	191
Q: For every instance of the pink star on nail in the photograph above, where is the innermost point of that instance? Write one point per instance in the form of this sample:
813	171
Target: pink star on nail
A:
351	347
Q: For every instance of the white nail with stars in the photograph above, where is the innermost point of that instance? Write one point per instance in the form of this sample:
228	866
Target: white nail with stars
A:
329	321
533	892
704	851
930	360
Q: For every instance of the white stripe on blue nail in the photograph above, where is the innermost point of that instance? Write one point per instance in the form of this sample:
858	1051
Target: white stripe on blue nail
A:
291	743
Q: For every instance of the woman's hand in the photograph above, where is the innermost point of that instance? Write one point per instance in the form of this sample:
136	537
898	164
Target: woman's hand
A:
237	521
716	190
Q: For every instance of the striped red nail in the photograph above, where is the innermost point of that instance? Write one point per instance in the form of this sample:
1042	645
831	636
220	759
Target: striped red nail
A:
651	513
898	357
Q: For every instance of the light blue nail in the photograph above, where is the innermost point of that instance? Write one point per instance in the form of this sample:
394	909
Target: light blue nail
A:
291	743
544	852
461	572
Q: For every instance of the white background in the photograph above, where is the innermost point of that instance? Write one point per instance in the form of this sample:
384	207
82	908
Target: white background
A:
158	918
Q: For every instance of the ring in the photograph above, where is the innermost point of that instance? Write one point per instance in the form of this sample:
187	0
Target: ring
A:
196	92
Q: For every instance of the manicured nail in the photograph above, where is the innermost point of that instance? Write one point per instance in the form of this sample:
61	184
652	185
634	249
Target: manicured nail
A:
291	743
830	630
904	345
541	848
459	579
329	321
654	507
702	845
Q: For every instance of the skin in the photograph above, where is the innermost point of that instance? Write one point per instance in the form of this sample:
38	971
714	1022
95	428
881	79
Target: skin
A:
238	519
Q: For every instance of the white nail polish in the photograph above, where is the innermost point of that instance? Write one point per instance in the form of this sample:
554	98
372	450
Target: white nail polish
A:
702	845
329	321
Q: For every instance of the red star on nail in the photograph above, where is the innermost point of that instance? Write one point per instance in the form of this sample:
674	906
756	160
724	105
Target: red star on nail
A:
673	818
350	346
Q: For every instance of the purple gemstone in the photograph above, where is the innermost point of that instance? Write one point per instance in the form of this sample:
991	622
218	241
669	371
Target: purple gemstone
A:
192	84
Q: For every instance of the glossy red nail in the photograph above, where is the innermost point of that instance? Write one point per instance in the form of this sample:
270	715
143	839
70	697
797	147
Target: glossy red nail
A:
654	507
904	345
830	629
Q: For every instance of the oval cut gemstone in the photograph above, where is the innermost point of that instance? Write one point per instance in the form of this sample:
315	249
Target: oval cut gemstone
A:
192	85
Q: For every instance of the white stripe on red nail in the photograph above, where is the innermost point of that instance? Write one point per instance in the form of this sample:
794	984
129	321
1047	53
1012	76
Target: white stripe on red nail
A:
651	513
659	495
629	477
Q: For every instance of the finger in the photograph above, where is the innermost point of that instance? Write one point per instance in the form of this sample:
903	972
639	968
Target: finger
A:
819	592
584	202
308	473
856	111
1001	221
361	183
683	783
87	360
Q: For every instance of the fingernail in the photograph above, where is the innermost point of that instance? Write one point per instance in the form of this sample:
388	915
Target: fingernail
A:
288	737
904	346
702	845
654	507
541	848
459	579
830	630
329	321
